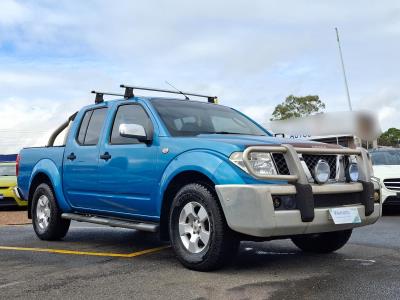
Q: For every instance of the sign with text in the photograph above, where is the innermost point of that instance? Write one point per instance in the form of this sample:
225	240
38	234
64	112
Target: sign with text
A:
345	215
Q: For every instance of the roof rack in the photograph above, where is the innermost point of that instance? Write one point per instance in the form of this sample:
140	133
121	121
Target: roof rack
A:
99	96
129	92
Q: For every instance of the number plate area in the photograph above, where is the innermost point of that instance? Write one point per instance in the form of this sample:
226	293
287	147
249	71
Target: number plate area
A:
345	215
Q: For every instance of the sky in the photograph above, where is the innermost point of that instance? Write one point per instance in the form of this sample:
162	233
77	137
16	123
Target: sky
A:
251	54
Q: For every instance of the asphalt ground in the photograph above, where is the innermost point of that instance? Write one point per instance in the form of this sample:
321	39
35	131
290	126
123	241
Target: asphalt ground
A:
95	262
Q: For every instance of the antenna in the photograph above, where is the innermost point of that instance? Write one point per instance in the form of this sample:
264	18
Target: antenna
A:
186	97
343	69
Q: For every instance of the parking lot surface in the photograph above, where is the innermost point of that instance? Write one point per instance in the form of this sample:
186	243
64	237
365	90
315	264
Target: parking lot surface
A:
95	262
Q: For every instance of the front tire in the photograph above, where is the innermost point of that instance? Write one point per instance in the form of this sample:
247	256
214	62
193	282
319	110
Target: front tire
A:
322	242
199	234
46	216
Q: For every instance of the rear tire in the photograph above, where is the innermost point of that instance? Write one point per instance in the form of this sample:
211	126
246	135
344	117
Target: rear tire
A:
199	234
46	215
322	242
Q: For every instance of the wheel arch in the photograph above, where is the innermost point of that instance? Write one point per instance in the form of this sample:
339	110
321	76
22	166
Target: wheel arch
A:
178	181
45	171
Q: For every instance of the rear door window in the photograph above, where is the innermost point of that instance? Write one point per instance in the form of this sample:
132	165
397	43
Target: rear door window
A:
92	123
83	128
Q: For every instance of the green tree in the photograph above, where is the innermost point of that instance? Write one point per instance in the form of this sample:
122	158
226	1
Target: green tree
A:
390	137
294	107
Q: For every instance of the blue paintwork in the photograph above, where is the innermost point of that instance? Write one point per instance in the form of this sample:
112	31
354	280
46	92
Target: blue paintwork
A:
34	163
132	183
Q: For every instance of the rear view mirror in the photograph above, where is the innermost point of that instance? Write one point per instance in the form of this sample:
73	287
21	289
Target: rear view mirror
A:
135	131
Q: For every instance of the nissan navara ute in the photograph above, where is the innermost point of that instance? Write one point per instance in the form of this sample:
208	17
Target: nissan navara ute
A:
203	176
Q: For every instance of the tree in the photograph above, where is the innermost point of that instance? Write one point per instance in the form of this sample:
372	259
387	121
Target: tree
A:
390	137
294	107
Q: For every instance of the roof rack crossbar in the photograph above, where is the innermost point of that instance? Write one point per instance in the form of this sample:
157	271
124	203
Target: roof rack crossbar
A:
129	92
99	96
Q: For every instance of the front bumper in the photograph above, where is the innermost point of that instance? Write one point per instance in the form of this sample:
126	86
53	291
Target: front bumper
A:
249	209
10	196
390	197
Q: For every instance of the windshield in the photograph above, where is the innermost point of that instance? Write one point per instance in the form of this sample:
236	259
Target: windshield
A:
8	170
385	157
190	118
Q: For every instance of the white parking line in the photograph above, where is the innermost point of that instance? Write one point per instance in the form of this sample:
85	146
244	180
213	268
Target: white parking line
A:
10	284
364	262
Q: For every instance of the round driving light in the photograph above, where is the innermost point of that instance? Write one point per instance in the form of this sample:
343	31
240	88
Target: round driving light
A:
322	171
353	172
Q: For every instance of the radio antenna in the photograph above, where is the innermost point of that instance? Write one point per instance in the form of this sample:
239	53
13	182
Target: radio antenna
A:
180	92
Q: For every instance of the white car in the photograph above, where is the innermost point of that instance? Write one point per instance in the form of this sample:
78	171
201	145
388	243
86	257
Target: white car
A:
386	165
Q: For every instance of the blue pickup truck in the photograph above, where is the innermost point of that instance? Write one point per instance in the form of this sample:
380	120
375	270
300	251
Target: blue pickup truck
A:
202	175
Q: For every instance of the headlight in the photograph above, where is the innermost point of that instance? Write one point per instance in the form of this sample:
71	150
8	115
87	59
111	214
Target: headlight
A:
352	172
261	162
322	171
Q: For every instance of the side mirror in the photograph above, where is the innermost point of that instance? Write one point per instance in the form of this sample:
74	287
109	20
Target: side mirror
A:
135	131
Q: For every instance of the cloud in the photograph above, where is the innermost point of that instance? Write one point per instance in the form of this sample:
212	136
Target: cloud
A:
251	54
12	12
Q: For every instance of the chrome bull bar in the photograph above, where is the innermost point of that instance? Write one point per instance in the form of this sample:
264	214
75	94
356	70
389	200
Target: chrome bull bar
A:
291	155
298	177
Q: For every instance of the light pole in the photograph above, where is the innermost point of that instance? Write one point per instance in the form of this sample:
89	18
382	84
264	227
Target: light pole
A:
343	69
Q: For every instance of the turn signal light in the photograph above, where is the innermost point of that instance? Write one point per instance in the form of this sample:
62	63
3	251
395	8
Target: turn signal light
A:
377	196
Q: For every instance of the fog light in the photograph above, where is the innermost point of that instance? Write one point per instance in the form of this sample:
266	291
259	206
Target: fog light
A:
277	202
322	171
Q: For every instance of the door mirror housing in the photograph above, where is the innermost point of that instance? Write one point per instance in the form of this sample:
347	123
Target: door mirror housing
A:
135	131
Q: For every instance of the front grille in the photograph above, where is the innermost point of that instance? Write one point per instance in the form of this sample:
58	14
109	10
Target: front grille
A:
280	162
334	200
392	184
288	202
312	160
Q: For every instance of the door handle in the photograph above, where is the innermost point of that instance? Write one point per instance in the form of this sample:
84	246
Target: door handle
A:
72	156
106	156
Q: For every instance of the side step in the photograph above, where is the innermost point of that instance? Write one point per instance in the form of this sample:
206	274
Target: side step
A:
139	225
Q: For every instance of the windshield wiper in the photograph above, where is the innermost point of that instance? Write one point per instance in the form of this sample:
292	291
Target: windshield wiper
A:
227	132
218	132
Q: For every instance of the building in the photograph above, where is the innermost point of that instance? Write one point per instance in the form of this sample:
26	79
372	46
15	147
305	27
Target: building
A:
348	129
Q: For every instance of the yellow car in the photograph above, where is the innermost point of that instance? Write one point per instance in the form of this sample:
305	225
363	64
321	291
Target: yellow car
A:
8	184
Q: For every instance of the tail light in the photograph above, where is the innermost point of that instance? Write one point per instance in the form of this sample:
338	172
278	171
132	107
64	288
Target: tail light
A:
17	166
